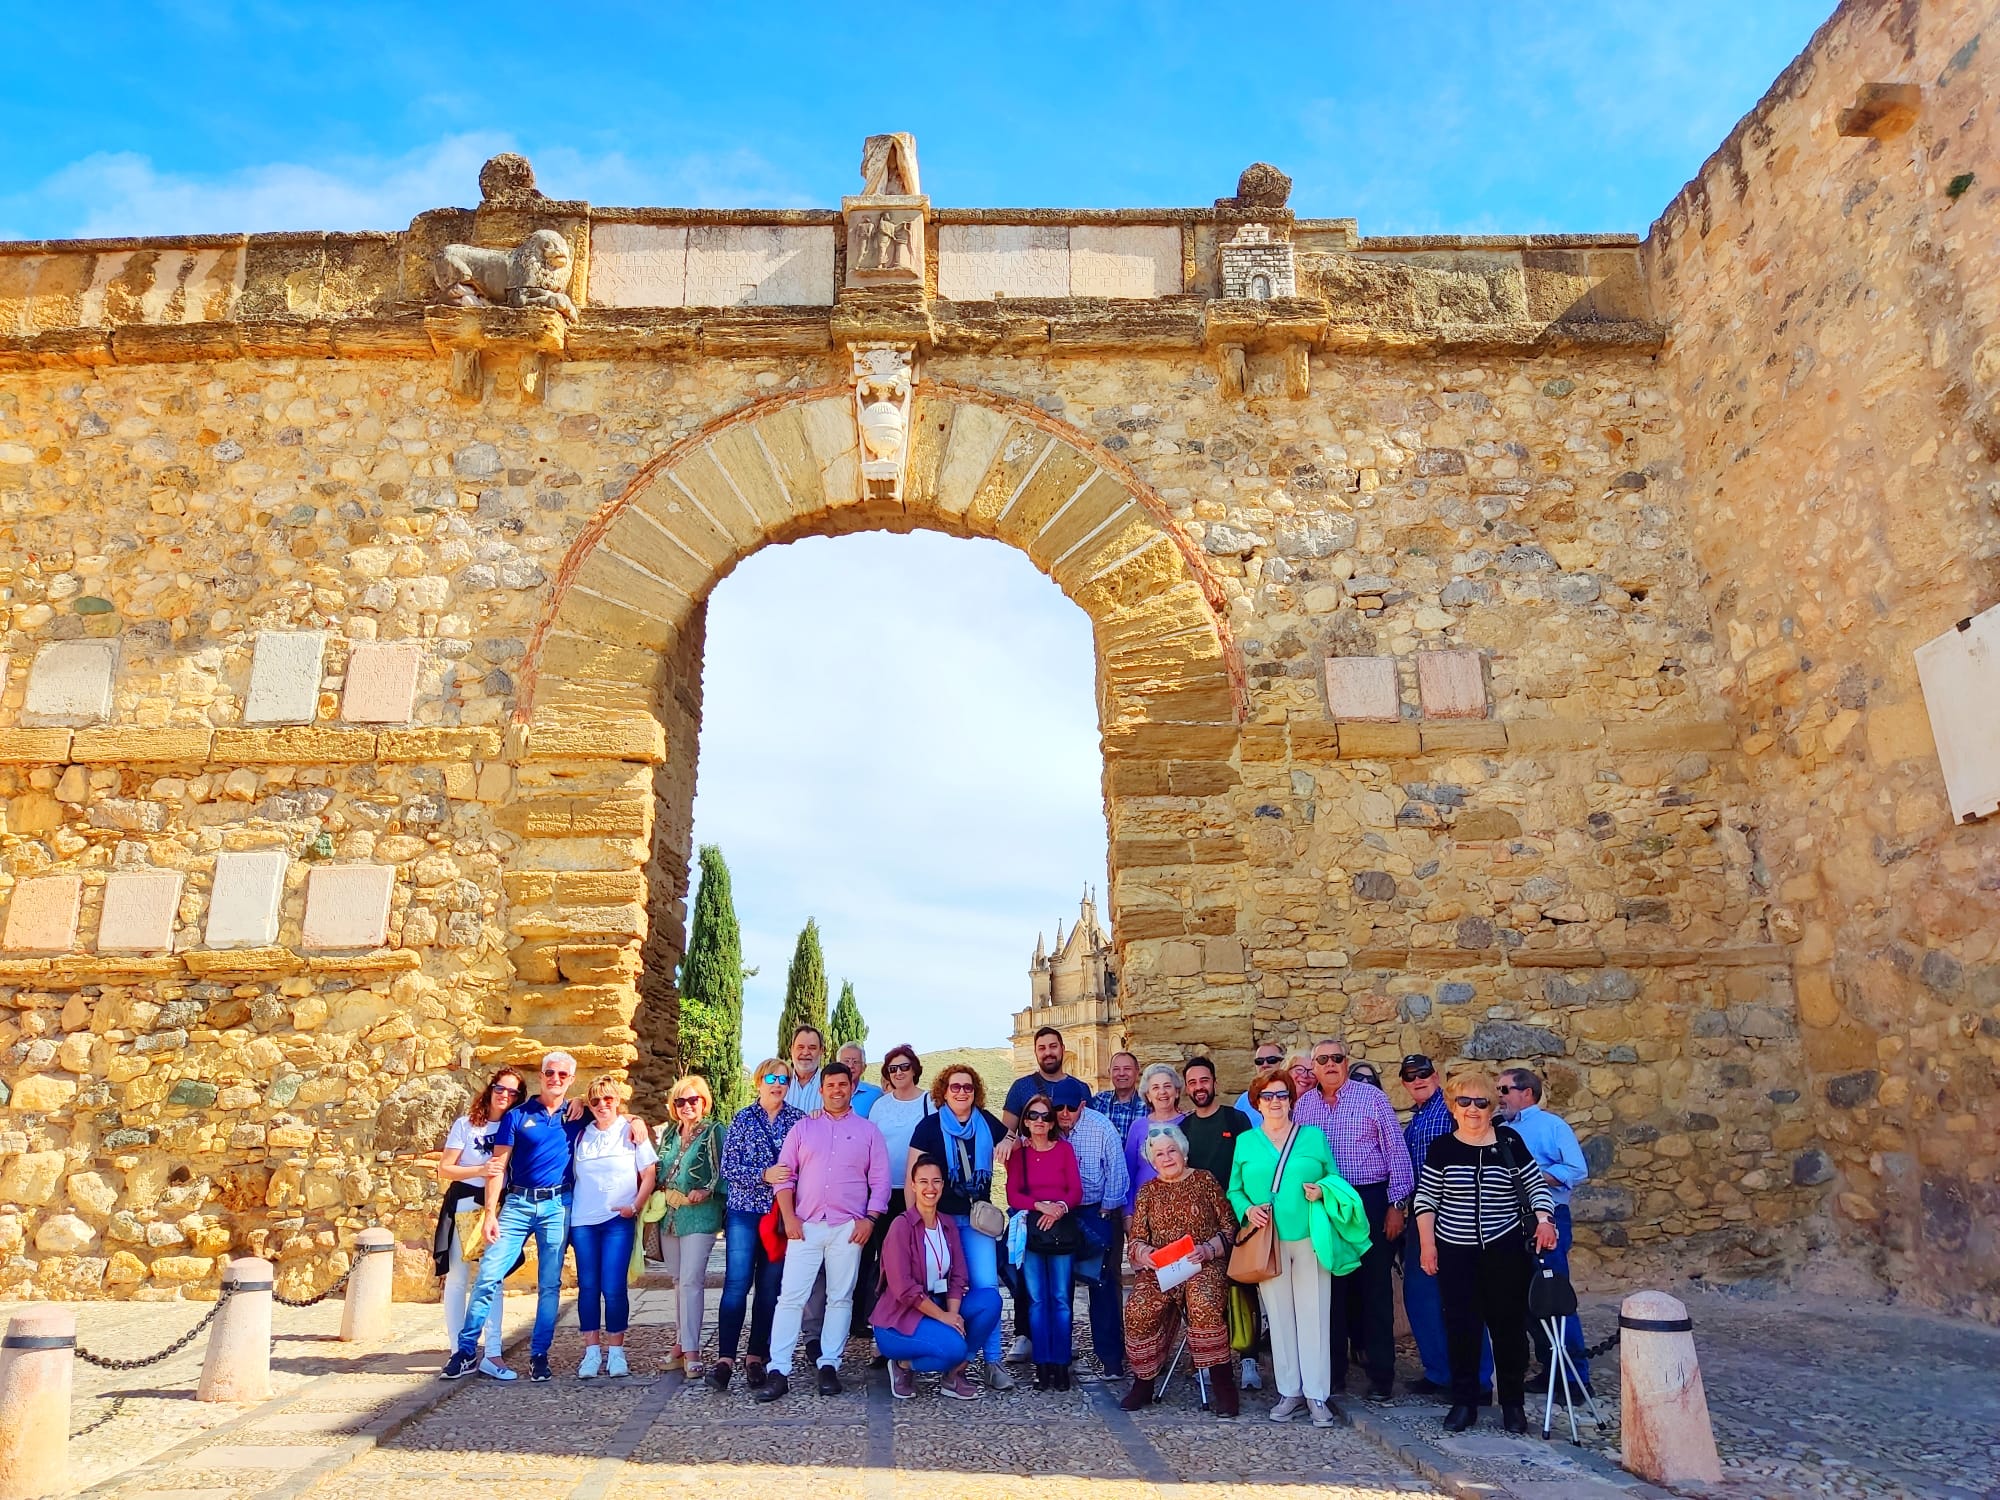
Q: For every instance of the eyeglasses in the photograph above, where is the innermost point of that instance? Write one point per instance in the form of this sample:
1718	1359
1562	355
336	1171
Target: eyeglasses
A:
777	1078
1274	1094
958	1088
688	1103
1464	1101
1324	1058
898	1067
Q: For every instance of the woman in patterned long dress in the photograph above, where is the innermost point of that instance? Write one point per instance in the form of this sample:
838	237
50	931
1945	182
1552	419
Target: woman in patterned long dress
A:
1181	1200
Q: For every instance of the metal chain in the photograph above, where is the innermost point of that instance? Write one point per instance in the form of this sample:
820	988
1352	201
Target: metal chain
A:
104	1362
317	1297
1597	1349
117	1405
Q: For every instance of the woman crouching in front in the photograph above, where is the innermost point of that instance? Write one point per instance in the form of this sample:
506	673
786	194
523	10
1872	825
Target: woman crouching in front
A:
1474	1240
929	1316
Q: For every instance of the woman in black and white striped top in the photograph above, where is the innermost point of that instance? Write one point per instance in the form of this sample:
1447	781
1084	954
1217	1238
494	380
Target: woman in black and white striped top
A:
1469	1222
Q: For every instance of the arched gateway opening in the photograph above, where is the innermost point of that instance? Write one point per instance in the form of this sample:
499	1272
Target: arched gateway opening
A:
622	641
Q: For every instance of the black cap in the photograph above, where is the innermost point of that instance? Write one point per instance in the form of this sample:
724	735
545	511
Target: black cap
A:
1418	1062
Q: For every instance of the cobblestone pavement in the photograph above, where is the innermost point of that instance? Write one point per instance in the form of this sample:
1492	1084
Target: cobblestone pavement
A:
1810	1397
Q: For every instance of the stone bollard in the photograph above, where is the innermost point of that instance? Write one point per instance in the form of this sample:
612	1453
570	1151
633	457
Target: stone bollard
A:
1663	1410
36	1358
364	1312
237	1366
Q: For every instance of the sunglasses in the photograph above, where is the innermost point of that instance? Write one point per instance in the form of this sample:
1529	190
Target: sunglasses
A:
1266	1062
958	1088
505	1088
777	1078
1330	1057
1512	1088
557	1073
1409	1073
687	1104
1031	1119
1274	1094
899	1067
1465	1101
603	1099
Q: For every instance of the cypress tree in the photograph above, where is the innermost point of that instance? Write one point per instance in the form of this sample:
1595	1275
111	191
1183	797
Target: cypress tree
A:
846	1025
712	989
805	989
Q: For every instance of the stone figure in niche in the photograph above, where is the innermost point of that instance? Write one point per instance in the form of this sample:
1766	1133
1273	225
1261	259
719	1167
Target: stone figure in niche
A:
889	166
883	241
884	377
535	273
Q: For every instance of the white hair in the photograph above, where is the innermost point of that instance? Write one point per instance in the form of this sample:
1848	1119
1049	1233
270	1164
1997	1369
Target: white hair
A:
1160	1070
859	1050
1173	1135
561	1057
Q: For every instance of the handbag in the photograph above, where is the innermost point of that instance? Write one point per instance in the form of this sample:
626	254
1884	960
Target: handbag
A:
1064	1237
1243	1322
472	1240
771	1234
1254	1257
1550	1294
988	1218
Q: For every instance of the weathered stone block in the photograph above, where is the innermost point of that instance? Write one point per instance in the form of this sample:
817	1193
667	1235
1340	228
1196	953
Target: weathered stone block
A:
41	917
760	265
1451	684
981	262
1503	1041
381	682
140	907
347	906
70	684
243	903
1363	689
34	747
285	674
1124	260
139	747
638	265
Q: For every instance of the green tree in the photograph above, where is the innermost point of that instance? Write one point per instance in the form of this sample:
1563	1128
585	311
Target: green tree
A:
712	989
846	1025
805	989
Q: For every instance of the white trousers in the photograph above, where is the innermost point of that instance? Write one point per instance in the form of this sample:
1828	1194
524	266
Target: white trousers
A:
687	1256
1296	1303
458	1279
831	1246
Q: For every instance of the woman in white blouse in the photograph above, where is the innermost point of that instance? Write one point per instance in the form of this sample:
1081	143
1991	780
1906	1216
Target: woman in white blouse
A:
463	1167
614	1175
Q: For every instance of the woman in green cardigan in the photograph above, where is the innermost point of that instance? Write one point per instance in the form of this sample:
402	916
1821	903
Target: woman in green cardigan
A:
1321	1230
690	1179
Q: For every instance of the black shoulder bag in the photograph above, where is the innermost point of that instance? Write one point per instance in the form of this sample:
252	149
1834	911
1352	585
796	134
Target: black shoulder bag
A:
1549	1293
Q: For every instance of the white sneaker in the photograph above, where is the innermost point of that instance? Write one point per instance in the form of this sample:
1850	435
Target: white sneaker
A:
1288	1408
1023	1349
614	1360
1252	1380
593	1361
498	1371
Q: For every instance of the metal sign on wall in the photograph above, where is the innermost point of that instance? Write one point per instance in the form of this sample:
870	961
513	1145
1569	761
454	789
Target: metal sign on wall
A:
1960	673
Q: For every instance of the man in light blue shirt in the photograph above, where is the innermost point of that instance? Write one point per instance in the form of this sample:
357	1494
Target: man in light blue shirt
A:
1555	1149
1100	1162
807	1049
865	1094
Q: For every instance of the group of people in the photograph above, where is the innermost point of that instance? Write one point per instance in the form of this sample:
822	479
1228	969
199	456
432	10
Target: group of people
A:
1151	1193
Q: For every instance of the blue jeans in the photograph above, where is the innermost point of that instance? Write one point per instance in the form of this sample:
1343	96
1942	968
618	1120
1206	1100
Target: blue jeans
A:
747	1268
936	1347
1099	1271
1573	1329
546	1223
603	1266
982	1270
1051	1282
1426	1312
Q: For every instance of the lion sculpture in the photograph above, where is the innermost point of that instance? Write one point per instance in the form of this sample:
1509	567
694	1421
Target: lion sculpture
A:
535	273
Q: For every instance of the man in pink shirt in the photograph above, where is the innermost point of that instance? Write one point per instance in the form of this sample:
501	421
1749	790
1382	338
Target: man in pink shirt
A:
837	1184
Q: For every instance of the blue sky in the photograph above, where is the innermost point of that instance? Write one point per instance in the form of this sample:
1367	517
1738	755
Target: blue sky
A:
900	737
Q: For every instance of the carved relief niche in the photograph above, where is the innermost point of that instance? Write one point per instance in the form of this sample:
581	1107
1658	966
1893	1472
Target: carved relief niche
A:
884	378
886	220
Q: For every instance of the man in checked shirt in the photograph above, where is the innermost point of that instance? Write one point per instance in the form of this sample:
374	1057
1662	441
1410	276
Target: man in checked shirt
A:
1367	1140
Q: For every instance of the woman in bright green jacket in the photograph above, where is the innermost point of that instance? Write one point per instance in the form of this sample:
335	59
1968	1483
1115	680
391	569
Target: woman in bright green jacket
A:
1322	1232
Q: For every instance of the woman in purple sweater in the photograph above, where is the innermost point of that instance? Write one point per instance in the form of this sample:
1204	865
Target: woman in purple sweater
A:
1044	1183
928	1316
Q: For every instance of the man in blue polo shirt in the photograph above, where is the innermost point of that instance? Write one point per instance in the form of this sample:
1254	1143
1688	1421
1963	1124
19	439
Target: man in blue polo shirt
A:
532	1146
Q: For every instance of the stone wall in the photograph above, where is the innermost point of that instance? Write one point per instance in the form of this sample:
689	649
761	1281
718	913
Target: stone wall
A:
1835	301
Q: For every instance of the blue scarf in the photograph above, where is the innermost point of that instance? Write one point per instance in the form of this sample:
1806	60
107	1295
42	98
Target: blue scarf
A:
968	1153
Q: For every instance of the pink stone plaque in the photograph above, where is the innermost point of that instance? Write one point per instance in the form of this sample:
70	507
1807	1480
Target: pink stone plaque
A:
42	916
1363	687
139	911
347	906
1451	684
381	682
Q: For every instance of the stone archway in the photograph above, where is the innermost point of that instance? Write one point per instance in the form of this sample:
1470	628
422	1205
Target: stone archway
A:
622	636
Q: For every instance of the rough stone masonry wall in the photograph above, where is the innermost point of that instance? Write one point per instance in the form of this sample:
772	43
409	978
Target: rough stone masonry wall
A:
1834	304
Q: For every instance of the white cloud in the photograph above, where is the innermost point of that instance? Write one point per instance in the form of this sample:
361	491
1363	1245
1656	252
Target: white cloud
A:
900	739
123	193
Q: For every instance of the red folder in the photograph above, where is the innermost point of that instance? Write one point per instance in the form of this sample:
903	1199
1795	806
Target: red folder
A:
1166	1255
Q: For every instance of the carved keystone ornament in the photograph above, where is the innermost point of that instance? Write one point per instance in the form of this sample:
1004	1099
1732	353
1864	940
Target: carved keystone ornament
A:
884	377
